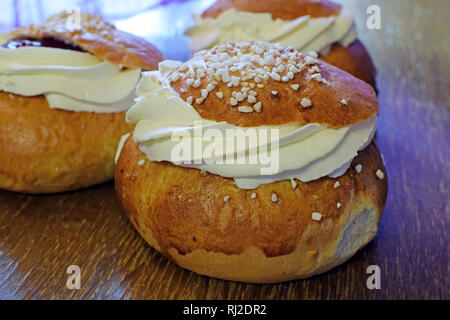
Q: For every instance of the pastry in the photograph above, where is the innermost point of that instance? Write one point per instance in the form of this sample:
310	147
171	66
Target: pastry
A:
63	97
320	26
253	162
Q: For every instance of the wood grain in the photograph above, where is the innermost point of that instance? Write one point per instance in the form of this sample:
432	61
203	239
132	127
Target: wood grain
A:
40	236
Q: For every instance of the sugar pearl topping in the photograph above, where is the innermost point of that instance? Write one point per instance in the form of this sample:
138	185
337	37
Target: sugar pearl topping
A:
274	197
245	68
380	174
293	183
317	216
306	103
141	162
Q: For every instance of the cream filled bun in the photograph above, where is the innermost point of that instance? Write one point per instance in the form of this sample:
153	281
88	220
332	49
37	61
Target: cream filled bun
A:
308	25
64	92
253	162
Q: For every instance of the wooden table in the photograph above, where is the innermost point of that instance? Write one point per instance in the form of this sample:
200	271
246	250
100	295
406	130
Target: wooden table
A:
40	236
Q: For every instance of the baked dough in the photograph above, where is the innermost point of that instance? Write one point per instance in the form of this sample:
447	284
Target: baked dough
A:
182	213
47	150
98	37
205	223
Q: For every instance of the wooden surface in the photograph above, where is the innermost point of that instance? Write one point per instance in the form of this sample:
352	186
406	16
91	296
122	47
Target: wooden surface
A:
40	236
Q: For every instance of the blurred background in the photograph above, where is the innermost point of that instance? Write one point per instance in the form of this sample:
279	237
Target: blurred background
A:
163	22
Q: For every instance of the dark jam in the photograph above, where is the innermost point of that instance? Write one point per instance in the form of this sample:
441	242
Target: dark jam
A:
42	42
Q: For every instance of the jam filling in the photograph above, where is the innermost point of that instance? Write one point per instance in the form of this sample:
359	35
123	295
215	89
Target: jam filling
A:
47	42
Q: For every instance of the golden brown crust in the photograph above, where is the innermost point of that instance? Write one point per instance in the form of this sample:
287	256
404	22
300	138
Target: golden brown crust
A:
354	59
47	150
285	106
99	38
283	9
182	213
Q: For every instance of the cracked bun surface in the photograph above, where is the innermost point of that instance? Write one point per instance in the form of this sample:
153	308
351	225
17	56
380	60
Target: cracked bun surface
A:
281	230
354	59
49	150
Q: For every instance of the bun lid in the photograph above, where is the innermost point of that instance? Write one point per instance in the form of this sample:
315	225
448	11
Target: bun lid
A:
283	9
98	37
253	84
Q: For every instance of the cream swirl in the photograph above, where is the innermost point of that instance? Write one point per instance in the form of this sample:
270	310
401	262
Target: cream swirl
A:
306	152
304	33
70	80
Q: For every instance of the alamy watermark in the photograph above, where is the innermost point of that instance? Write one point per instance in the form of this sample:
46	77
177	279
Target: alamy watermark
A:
73	21
374	280
374	20
232	146
74	280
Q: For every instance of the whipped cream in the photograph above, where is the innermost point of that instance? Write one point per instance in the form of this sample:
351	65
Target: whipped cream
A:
120	146
70	80
306	152
304	33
